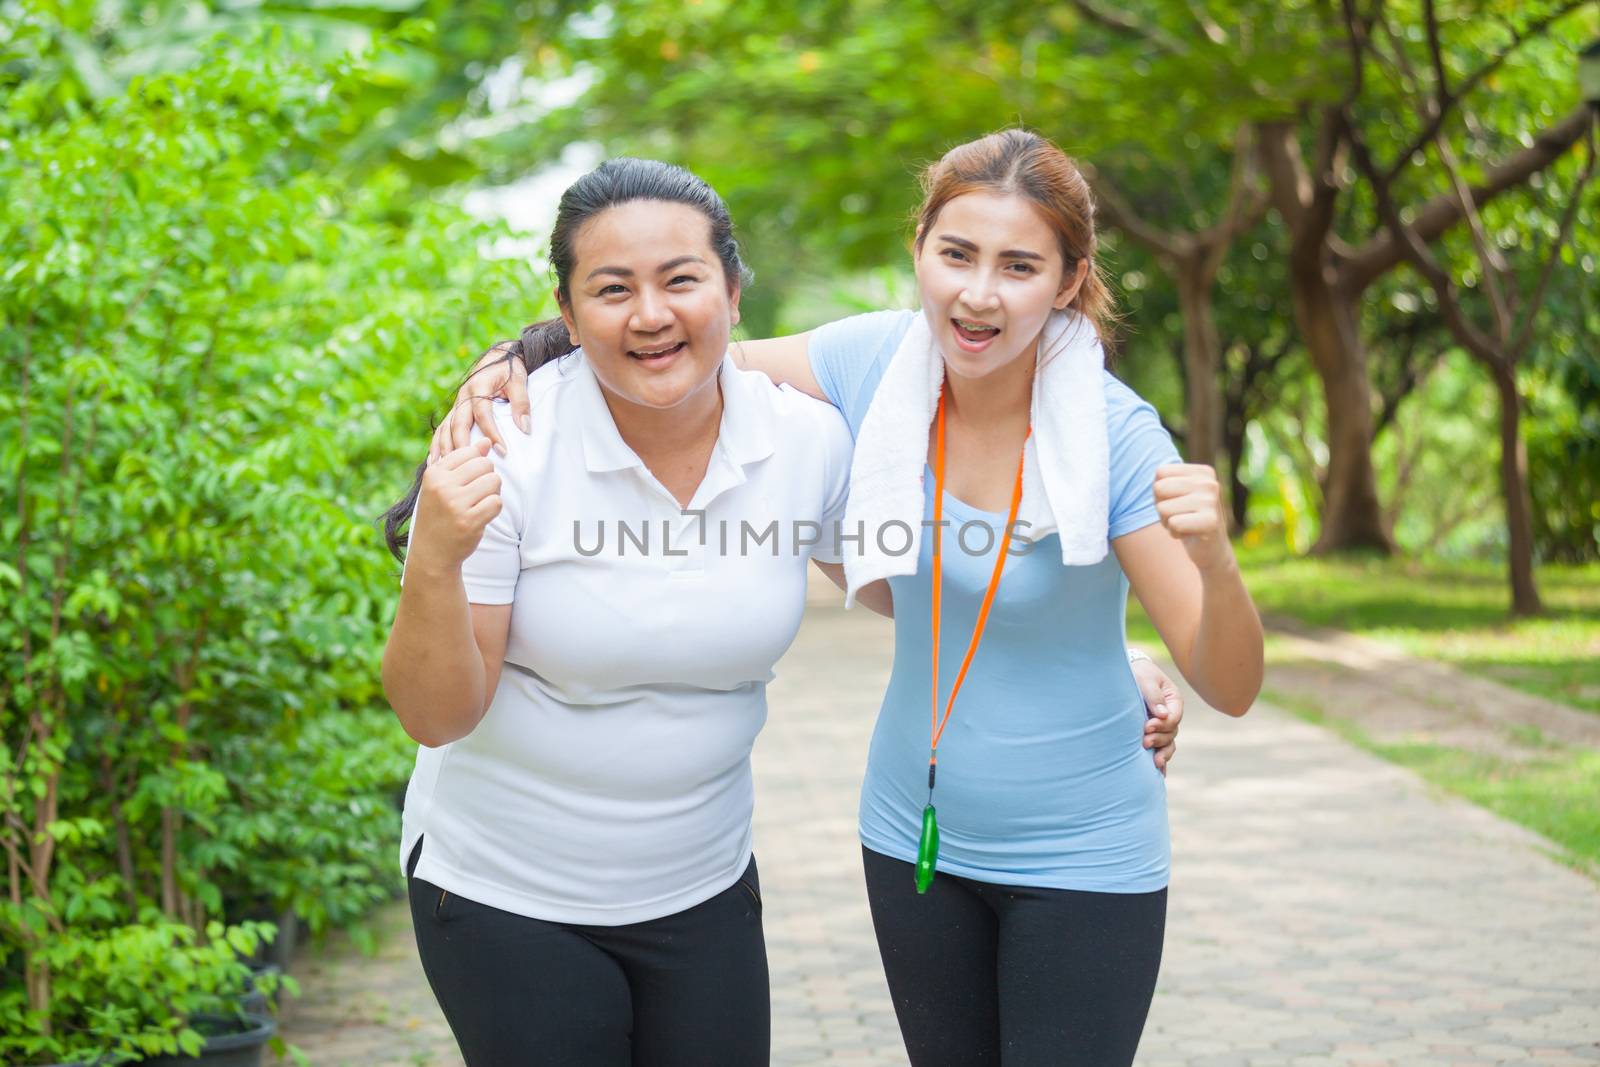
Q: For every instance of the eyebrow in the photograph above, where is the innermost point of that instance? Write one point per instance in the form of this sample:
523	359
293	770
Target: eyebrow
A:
624	272
1010	253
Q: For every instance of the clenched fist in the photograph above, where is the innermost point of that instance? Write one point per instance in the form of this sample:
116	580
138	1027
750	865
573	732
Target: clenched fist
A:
1189	501
460	495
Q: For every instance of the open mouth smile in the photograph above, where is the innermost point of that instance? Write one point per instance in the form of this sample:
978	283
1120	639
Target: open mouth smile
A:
972	335
659	352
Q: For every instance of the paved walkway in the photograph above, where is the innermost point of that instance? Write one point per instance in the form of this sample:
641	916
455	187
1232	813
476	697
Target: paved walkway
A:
1327	908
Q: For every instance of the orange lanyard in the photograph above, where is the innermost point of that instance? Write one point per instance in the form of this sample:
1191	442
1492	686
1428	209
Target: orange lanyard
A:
936	727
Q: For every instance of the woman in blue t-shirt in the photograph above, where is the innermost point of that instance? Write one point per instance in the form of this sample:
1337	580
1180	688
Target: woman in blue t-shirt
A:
1039	939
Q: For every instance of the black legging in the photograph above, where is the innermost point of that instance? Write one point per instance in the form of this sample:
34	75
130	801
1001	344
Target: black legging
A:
1012	975
687	989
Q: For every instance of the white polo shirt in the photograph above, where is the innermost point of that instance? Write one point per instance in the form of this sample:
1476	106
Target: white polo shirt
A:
609	781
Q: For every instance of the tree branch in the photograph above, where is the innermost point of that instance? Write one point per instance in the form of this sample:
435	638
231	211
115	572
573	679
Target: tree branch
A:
1247	202
1122	215
1494	265
1287	181
1440	213
1416	251
1446	99
1126	24
1441	81
1520	343
1208	26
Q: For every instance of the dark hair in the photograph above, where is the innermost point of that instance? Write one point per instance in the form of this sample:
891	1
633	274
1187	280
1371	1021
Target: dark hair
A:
1022	163
611	184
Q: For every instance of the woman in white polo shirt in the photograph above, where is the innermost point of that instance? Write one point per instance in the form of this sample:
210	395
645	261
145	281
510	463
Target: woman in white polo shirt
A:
585	631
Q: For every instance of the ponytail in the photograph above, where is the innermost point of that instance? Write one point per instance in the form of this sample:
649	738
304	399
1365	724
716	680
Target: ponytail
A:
540	343
1096	304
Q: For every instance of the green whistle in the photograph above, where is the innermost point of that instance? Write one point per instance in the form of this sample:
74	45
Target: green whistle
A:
927	849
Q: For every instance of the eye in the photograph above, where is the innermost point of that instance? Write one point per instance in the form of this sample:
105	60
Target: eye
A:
955	253
612	290
683	278
1023	268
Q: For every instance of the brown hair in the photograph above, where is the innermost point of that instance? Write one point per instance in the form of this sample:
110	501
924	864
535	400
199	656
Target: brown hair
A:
1022	163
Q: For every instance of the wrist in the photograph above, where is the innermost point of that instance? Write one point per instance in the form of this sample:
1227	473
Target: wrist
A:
424	567
1223	568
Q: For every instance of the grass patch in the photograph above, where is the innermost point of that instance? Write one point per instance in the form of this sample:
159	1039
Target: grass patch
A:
1455	613
1552	795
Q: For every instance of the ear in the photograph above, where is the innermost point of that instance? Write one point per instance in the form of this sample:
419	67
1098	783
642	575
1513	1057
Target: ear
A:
733	303
1070	284
566	316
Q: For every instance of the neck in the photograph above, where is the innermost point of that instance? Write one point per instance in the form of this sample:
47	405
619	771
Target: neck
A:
658	434
1005	395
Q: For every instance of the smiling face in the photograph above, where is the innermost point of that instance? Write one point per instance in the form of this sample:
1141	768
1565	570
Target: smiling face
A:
649	302
990	272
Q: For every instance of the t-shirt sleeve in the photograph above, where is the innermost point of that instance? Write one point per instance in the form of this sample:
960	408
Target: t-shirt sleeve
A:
848	357
490	574
839	446
1139	444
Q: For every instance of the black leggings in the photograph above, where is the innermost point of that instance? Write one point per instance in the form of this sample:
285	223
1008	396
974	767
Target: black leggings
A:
687	989
1012	975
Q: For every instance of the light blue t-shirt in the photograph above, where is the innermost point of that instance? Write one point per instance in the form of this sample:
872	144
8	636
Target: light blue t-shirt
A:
1043	777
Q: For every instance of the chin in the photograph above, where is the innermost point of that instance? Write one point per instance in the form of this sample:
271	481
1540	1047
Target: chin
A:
966	365
670	393
660	399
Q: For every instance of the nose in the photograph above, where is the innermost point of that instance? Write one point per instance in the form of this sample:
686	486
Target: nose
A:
652	313
981	294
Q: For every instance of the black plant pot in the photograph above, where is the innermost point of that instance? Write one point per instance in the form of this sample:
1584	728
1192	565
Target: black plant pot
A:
231	1041
256	1002
281	950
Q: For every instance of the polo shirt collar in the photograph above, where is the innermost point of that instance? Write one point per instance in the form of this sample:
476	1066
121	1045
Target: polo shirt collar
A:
743	437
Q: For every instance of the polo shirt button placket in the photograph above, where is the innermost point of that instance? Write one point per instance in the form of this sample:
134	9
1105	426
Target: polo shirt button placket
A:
689	535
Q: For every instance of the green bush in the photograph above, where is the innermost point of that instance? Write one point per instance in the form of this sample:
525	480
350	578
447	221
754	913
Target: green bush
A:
221	351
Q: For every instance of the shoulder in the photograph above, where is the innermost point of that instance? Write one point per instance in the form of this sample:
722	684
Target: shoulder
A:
849	357
806	434
552	393
825	423
1126	411
875	333
1138	444
786	410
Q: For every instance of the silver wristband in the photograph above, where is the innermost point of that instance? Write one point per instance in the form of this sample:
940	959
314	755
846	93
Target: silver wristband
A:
1135	655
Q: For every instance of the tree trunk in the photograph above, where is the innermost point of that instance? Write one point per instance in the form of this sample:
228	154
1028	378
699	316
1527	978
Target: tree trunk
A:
169	862
1351	515
37	980
1202	364
1514	486
1238	493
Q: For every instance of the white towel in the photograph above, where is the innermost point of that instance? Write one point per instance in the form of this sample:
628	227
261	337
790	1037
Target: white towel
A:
1066	461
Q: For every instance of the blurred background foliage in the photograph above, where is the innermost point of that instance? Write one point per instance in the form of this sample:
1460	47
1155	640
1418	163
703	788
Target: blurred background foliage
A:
813	118
250	247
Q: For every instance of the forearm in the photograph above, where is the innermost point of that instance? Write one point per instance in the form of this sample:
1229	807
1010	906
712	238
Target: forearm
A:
877	597
1226	661
874	596
785	360
433	672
